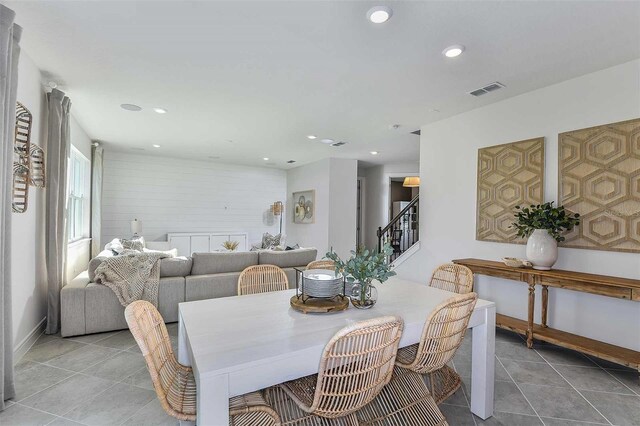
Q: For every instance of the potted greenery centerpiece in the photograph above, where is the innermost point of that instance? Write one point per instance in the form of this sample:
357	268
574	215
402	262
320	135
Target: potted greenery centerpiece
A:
361	269
543	225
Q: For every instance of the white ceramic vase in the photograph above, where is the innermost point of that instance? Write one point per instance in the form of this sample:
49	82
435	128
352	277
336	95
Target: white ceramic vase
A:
542	249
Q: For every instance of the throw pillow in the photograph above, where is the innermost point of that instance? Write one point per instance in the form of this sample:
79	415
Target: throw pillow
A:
137	244
270	241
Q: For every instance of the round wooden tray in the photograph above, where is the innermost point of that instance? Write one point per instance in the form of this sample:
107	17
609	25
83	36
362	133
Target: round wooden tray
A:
319	306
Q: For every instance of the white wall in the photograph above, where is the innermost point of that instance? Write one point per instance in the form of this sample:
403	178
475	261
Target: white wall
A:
335	183
177	195
376	200
79	252
448	197
311	176
27	241
343	187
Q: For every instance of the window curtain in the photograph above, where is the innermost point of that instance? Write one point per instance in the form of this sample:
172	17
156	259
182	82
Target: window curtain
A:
9	54
58	145
96	200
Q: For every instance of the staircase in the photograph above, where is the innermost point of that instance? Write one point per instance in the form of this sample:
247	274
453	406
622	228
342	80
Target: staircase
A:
403	230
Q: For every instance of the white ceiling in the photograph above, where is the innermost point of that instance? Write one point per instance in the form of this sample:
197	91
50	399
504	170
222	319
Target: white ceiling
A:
266	74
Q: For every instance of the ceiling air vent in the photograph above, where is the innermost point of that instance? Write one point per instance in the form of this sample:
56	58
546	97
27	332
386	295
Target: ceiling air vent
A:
338	144
291	161
486	89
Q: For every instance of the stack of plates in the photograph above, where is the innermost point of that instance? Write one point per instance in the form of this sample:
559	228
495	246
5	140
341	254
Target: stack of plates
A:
322	283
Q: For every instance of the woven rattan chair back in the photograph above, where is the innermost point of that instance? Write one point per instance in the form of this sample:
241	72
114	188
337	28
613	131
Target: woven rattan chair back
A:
442	333
452	277
262	279
355	365
322	264
173	382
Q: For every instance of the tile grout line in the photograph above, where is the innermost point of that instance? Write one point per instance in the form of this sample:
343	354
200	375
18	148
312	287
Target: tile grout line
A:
94	396
517	386
140	409
574	388
473	417
578	421
618	380
57	417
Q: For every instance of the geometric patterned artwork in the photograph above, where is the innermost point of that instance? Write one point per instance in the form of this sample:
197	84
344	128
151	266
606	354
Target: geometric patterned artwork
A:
599	177
509	175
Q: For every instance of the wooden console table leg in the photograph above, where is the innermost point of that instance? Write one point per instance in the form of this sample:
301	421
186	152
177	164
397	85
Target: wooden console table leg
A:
532	300
545	302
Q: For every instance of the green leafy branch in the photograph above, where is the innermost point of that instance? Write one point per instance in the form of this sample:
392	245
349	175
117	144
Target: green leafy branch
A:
365	265
556	220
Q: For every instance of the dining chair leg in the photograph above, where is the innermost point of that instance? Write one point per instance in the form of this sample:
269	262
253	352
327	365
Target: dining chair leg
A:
291	414
405	400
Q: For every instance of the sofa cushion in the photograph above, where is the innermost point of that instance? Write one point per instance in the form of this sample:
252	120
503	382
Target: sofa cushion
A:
219	263
175	266
104	312
289	258
200	287
95	262
212	286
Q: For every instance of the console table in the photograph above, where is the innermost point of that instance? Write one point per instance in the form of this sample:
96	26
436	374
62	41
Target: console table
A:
621	288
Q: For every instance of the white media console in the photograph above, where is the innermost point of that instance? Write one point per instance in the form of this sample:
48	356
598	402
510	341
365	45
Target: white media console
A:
188	243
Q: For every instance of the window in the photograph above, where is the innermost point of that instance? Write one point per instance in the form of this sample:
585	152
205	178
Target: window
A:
78	206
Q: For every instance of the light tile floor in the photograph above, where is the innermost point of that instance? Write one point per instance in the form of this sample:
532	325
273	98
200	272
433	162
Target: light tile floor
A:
101	379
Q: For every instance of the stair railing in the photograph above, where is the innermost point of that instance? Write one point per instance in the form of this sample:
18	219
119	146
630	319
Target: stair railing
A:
402	231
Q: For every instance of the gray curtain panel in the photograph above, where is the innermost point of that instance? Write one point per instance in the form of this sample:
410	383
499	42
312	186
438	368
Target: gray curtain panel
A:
58	145
96	200
9	55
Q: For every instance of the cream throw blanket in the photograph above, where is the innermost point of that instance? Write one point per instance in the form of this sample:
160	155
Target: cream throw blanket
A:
132	275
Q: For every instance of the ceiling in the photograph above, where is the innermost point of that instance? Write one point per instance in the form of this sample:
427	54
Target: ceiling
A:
247	80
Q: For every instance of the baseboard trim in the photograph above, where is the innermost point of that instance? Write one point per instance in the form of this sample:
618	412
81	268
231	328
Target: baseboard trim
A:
23	347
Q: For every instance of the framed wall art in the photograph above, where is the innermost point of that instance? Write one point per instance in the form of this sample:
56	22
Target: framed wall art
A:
509	175
304	205
599	177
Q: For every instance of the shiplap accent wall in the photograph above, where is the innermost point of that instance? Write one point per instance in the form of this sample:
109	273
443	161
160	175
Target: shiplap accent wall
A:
178	195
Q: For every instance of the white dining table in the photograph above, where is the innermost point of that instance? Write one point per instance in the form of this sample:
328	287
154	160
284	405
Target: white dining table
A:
241	344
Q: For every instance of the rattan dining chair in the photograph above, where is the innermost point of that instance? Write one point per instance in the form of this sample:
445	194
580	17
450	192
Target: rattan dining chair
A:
355	365
441	337
262	279
322	264
174	383
452	277
405	400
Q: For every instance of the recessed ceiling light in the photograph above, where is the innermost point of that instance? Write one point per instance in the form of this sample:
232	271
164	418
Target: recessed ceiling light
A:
327	141
130	107
156	146
266	158
311	137
374	152
160	110
453	51
379	14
